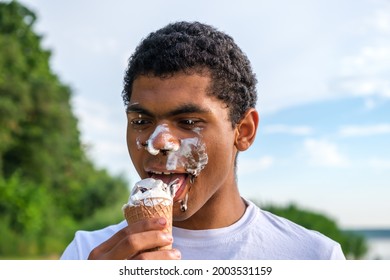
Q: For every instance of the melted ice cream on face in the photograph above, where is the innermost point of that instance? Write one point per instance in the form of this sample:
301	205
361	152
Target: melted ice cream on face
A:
164	131
190	154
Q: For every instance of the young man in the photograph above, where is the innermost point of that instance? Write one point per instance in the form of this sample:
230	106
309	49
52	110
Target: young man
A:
190	96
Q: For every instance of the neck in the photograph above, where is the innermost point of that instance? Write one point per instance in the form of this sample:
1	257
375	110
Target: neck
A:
219	211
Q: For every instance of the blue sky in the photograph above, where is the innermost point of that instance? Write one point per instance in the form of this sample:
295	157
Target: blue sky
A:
324	91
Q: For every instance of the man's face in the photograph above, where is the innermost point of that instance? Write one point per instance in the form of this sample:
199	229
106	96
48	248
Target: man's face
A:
176	131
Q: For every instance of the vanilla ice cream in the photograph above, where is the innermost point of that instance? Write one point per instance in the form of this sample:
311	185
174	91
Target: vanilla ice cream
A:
150	192
151	198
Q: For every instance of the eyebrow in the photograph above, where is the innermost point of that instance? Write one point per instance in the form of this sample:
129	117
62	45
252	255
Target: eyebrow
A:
182	109
136	108
189	108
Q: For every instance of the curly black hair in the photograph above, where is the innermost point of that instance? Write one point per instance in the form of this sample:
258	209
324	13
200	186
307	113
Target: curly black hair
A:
193	47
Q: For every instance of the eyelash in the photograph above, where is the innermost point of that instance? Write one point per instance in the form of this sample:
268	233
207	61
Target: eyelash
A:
184	123
189	122
139	123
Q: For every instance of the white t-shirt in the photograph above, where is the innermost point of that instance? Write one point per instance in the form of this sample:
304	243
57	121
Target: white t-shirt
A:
257	235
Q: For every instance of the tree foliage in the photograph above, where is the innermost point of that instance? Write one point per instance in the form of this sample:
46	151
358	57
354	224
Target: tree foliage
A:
354	246
47	183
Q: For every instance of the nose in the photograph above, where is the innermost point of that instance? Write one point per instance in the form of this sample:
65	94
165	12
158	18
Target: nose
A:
162	141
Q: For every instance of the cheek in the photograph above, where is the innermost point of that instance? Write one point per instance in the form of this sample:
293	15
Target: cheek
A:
221	152
133	145
190	156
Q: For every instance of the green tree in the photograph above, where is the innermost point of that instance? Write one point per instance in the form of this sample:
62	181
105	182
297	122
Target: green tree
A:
42	160
354	246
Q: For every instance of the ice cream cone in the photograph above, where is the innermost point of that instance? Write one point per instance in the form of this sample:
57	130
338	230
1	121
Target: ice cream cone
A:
151	208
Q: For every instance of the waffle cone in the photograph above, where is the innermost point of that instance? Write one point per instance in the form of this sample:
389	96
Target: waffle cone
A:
147	209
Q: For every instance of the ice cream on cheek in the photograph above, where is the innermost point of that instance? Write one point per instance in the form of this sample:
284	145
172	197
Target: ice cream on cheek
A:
187	153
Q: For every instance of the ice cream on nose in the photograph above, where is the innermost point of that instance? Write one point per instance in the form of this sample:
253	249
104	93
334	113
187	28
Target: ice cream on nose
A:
163	132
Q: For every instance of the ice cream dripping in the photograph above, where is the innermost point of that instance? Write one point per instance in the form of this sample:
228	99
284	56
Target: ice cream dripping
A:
187	153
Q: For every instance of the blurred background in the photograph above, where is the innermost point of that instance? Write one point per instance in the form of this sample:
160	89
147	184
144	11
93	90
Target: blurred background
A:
321	157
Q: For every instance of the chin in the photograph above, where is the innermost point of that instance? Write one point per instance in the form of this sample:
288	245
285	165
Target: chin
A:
180	216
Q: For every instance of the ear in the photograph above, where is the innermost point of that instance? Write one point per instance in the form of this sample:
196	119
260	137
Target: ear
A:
246	130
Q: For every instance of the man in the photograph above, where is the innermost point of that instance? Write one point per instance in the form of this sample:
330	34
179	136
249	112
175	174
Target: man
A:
189	87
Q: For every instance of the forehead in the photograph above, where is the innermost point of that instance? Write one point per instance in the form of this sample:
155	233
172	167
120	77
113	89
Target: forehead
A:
170	89
176	95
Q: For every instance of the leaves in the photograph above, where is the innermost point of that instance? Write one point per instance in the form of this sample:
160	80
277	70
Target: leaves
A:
48	185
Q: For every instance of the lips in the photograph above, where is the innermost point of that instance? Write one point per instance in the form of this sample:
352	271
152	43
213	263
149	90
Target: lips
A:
167	178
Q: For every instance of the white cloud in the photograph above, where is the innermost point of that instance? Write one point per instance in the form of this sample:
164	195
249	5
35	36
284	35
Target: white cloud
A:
366	86
381	20
324	153
364	130
371	60
366	73
247	166
288	129
383	164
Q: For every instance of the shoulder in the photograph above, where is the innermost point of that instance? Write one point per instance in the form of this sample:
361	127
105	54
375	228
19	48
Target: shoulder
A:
100	234
291	240
85	241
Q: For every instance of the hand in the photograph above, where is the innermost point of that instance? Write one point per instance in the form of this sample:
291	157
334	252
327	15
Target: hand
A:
131	242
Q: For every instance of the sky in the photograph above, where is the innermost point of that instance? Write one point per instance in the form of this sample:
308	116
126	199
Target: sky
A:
323	71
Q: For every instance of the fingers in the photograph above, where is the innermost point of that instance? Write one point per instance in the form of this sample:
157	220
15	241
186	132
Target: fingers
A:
159	255
139	242
129	242
141	226
146	225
